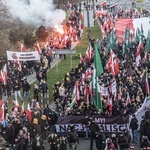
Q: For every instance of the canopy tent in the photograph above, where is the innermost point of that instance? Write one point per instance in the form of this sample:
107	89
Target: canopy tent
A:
133	25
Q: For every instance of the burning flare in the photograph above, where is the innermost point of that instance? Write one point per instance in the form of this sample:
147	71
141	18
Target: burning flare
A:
59	29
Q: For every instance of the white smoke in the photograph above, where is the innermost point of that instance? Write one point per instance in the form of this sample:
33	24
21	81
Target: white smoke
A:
36	12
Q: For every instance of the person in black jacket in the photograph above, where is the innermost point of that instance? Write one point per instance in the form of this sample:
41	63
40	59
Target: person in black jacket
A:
123	142
53	141
20	141
134	126
44	90
37	143
44	127
145	144
17	88
94	128
73	138
10	134
63	143
100	141
26	90
86	124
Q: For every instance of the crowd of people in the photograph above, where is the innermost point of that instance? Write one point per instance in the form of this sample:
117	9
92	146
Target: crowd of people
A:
37	125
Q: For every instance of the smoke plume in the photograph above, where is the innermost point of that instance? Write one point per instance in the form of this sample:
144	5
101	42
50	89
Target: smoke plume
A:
36	12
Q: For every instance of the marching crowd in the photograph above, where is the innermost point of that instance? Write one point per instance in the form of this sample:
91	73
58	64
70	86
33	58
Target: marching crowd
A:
33	127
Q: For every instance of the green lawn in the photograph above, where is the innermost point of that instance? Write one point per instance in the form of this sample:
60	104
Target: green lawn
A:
140	1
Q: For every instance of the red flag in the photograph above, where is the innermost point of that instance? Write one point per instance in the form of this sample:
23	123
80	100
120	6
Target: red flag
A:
128	101
138	56
23	48
28	112
147	85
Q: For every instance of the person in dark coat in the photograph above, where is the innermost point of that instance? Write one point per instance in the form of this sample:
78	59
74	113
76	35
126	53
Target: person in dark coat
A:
10	131
147	129
123	142
134	126
44	90
100	141
26	90
53	141
20	141
63	143
37	143
86	124
145	144
36	129
73	138
94	128
44	127
36	92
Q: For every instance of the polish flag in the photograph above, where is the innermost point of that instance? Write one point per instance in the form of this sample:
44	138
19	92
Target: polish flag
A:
19	65
38	48
2	113
147	86
133	25
138	56
113	64
4	74
23	48
28	112
128	101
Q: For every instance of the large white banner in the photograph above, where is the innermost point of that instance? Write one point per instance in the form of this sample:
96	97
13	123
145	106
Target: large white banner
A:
141	111
23	56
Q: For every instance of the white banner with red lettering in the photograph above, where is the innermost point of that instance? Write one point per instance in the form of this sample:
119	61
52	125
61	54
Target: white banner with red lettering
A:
23	56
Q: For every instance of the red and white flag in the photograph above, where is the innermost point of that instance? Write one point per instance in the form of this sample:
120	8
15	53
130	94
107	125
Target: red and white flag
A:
133	25
81	58
128	100
19	65
2	112
38	48
147	86
113	64
28	112
23	48
138	56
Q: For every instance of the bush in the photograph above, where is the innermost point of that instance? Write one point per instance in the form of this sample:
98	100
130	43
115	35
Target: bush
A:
41	33
29	39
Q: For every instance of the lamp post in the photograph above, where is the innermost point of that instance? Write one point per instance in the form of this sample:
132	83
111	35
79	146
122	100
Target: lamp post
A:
88	20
